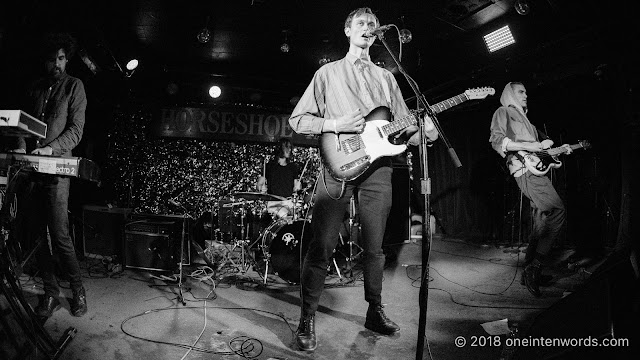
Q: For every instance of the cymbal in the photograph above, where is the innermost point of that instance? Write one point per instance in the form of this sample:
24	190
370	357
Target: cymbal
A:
258	196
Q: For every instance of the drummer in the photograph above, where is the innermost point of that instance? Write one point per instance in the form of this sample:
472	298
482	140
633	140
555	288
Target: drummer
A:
280	178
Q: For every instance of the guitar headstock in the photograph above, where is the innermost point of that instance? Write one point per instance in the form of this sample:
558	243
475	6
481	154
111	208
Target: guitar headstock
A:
479	93
585	144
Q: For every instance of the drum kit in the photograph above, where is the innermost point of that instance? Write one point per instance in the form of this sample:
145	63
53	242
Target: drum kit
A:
268	231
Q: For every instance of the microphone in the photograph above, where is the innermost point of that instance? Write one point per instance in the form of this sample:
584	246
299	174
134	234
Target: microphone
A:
377	31
174	202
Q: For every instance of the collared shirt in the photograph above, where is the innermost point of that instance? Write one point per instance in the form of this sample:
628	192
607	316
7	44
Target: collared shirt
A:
510	124
339	88
62	107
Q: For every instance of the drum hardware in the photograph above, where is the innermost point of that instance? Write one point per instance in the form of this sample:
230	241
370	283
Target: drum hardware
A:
185	214
258	196
354	235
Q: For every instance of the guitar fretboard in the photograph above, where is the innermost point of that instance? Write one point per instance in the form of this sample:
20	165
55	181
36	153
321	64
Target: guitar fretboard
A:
560	150
409	120
449	103
398	125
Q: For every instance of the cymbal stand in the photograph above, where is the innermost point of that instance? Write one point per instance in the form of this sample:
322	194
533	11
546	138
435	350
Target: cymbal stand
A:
242	242
354	233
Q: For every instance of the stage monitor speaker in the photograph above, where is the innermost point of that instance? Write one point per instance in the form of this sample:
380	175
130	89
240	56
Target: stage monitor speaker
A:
152	242
605	307
103	230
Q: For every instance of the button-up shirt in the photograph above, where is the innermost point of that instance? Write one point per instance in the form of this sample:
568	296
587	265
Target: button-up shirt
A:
339	88
62	107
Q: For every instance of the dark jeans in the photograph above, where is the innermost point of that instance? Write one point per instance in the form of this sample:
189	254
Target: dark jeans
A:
48	200
548	213
374	191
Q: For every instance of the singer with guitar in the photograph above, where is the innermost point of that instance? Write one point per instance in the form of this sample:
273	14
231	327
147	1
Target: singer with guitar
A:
517	140
337	101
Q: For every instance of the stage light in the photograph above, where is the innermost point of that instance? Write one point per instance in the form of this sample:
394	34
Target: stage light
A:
522	7
88	60
132	64
285	44
204	35
324	60
498	39
215	91
405	36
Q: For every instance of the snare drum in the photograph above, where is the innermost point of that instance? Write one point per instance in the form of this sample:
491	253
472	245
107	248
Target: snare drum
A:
284	242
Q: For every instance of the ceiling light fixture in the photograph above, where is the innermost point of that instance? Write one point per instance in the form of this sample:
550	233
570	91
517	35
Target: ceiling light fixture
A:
131	67
215	91
285	45
522	7
204	35
498	39
405	34
324	60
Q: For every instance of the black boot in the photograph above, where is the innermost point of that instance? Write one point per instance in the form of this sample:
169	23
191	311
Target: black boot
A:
79	302
532	274
306	333
379	322
47	306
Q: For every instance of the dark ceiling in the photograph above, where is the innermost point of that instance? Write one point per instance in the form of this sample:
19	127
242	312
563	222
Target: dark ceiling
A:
555	40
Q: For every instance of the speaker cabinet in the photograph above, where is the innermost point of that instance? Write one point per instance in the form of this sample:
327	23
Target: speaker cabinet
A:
103	230
605	307
152	242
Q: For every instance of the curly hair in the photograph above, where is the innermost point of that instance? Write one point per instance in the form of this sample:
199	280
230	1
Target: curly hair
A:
55	41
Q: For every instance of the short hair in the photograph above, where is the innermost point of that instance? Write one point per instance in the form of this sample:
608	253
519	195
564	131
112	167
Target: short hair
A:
515	83
281	143
358	12
53	42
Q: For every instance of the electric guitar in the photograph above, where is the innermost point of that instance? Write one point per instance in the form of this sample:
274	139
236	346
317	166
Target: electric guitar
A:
347	156
540	162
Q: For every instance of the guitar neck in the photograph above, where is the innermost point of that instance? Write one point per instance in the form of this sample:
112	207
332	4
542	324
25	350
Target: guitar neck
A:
449	103
410	120
561	149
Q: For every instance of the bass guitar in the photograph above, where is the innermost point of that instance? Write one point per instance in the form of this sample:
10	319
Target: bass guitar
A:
347	156
540	162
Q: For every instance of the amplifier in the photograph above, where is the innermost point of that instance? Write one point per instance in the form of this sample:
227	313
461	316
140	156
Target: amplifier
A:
152	242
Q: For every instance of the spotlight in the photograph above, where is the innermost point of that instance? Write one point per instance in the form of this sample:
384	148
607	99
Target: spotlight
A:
405	36
132	64
324	60
215	91
172	88
204	35
522	7
88	60
285	44
498	39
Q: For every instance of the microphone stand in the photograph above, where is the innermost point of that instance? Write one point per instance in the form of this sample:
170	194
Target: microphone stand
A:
425	191
184	224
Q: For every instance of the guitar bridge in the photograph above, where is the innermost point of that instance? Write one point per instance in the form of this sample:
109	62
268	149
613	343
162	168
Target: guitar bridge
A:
352	144
355	163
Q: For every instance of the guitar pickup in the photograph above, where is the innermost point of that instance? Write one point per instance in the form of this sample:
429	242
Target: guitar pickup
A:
355	163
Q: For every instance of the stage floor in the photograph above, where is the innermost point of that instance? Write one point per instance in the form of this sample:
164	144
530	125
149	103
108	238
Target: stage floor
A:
131	316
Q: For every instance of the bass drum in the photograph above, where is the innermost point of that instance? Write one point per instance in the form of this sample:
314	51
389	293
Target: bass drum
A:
283	243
